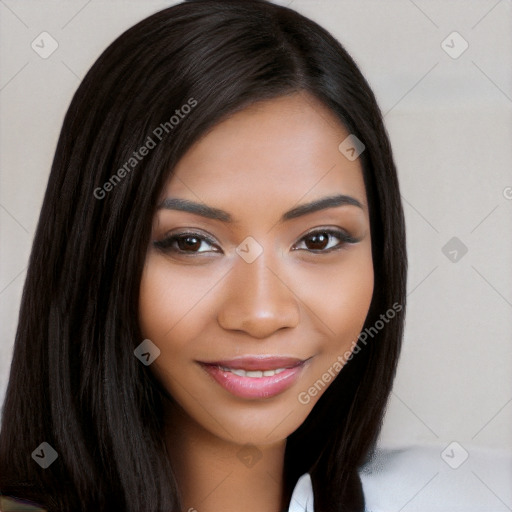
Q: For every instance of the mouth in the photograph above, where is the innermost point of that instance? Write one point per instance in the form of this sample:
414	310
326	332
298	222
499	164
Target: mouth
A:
256	377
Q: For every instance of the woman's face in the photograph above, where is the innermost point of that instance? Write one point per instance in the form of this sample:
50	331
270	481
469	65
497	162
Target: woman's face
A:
251	269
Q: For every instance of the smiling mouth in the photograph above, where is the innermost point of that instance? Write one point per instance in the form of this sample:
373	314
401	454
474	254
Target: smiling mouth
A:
255	377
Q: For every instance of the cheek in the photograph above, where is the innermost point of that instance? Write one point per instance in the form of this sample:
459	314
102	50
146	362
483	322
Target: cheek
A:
339	298
355	291
167	299
340	304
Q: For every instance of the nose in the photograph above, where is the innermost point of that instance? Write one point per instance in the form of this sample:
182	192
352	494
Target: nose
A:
257	301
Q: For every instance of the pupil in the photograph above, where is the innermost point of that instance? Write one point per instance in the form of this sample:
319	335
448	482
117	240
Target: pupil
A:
317	241
189	242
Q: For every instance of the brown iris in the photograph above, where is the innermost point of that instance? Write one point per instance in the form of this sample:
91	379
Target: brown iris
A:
189	243
316	241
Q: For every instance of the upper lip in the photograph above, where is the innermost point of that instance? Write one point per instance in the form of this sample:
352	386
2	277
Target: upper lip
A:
257	362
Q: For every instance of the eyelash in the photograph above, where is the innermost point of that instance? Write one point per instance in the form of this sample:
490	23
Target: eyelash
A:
344	237
167	244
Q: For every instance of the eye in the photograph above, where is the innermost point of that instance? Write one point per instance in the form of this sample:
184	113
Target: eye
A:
187	243
324	240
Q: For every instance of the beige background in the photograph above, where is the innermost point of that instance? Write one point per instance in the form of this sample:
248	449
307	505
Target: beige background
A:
449	121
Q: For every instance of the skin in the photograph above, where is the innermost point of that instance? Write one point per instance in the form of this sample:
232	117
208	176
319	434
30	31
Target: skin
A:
298	298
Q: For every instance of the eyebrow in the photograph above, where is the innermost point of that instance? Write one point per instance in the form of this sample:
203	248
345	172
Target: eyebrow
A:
210	212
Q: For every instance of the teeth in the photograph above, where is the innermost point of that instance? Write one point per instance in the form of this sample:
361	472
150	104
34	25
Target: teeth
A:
256	373
253	373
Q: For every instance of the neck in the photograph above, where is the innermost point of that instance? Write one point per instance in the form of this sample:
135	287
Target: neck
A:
215	474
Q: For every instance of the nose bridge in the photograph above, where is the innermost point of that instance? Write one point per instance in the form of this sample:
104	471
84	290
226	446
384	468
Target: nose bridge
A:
256	300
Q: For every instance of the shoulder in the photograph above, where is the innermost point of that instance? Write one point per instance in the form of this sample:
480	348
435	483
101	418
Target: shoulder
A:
11	504
302	496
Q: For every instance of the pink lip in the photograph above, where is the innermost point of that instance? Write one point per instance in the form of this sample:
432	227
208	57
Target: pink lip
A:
256	387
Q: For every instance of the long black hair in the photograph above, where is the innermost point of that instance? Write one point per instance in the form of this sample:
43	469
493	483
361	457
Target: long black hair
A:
75	383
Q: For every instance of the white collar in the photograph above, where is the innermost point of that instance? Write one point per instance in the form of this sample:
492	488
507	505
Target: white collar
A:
302	496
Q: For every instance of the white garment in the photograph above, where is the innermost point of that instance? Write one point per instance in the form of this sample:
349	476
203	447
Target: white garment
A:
302	496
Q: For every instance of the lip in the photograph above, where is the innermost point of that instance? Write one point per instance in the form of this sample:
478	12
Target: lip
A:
256	387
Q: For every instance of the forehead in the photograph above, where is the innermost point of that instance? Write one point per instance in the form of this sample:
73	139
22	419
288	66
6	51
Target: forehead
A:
285	148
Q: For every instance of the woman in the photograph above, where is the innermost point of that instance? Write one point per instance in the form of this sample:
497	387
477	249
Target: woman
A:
215	299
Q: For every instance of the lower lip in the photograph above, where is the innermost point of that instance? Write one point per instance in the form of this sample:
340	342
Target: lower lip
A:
255	387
